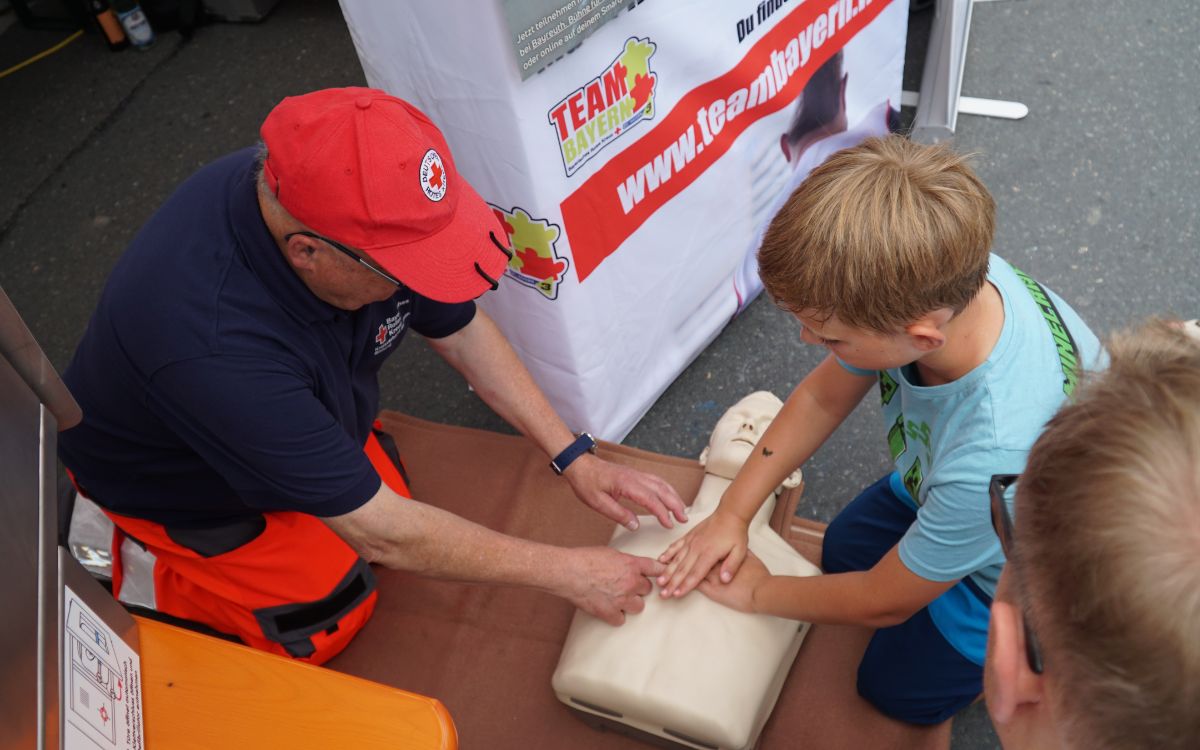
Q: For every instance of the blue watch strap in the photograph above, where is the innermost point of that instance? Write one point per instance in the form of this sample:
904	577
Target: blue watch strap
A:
584	443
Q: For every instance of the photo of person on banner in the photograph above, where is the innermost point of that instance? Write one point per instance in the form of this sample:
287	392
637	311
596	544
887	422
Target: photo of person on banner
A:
817	129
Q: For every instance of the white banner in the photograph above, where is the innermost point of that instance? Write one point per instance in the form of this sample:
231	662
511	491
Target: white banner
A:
543	30
635	173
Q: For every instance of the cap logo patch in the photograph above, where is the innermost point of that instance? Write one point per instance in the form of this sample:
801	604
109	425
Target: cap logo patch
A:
433	176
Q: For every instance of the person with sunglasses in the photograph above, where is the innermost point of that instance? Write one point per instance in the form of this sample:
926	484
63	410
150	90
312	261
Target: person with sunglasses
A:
1095	629
228	380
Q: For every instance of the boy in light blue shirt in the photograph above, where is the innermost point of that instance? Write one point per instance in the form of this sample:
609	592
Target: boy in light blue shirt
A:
883	256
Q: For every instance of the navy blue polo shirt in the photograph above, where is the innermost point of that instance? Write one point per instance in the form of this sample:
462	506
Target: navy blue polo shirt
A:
214	384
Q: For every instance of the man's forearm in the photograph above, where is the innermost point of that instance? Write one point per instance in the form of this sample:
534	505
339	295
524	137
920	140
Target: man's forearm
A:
485	358
407	535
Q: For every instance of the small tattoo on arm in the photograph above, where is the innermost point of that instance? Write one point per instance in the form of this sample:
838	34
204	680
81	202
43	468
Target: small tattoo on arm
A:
767	451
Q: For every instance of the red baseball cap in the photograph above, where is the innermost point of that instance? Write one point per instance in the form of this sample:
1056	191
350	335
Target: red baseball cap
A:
371	171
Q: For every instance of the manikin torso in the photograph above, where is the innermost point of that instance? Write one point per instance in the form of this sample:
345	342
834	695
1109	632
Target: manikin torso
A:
690	666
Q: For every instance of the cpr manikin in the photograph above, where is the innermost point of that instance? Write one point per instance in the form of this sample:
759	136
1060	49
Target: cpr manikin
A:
691	670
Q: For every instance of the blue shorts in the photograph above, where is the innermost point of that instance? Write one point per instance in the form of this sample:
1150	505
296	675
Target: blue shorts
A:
909	671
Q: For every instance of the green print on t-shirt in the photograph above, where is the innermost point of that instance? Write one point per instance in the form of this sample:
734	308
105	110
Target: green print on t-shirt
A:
919	431
887	387
912	480
897	442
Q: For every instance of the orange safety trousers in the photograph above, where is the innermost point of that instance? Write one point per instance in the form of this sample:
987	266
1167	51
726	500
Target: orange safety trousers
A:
282	582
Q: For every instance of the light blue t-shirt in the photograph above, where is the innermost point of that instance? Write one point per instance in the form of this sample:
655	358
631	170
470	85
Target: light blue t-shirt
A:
946	442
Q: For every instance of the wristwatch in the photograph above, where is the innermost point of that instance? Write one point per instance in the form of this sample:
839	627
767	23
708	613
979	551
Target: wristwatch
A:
584	443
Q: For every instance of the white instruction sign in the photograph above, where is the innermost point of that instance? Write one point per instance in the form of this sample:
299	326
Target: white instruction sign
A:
102	683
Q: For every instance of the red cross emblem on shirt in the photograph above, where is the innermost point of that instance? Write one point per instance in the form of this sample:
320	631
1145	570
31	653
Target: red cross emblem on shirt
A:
381	337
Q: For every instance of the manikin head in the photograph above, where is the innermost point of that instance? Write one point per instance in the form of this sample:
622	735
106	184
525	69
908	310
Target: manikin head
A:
733	439
737	432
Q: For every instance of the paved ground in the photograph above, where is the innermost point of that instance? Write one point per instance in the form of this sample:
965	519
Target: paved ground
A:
1096	188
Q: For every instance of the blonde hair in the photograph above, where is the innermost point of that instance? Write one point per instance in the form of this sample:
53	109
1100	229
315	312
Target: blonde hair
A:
881	234
1108	547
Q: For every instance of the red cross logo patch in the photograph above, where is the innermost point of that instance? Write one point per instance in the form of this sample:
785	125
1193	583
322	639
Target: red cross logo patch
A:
381	337
433	176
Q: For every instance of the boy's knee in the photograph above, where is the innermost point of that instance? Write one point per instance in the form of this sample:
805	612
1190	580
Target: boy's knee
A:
863	532
836	554
898	699
894	678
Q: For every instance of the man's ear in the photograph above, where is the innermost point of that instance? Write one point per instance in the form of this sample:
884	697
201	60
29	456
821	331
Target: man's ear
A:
928	332
300	252
1011	684
704	456
786	148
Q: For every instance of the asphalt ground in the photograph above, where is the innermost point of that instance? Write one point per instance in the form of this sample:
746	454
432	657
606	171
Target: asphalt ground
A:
1096	189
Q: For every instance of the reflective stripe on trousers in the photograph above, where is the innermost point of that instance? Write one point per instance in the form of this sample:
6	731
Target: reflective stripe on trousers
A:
282	582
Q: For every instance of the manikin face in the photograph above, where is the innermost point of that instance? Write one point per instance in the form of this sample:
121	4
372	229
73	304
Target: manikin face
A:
738	431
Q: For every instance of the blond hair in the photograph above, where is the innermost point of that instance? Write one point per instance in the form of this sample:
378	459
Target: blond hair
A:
1108	547
881	234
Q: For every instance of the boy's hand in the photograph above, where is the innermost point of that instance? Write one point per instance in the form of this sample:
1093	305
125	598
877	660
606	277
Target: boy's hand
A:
721	536
739	593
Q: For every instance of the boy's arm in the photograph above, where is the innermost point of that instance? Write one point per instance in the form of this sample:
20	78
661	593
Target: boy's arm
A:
886	595
820	403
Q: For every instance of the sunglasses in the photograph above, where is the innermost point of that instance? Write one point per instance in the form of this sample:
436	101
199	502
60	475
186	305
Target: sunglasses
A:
1001	490
380	272
348	253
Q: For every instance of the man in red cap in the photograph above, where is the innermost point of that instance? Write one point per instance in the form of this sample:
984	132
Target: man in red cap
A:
228	382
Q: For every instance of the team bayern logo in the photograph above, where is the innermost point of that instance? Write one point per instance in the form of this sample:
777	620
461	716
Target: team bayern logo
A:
433	176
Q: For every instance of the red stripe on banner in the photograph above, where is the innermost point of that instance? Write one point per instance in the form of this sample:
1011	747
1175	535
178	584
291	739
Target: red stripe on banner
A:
610	206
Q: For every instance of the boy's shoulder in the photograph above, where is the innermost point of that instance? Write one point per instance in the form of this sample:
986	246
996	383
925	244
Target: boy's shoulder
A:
1044	324
1003	403
1034	368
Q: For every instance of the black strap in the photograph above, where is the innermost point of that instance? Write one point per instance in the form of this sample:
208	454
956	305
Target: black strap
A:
1064	342
388	444
210	541
293	625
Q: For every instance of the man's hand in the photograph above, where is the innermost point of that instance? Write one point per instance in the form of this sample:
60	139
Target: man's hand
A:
608	584
721	536
739	593
600	484
480	352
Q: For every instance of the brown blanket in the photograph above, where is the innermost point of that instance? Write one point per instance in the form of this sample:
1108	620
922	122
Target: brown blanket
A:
487	653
